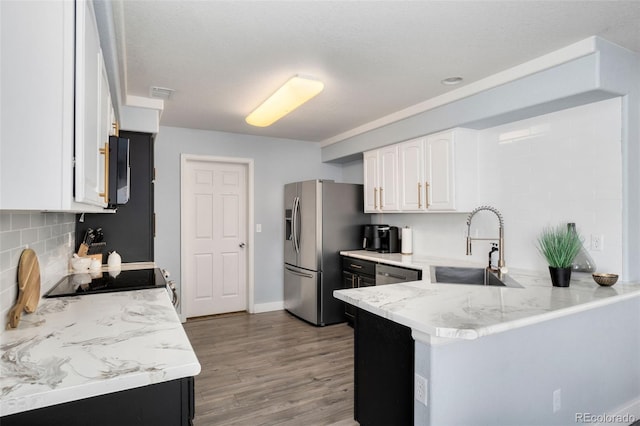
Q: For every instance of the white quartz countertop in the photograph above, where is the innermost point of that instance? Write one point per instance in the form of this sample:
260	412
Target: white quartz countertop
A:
83	346
436	310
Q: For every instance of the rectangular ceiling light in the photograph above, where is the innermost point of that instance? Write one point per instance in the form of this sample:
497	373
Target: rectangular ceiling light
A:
290	96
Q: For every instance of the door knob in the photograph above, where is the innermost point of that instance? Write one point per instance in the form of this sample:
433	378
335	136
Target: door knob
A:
241	245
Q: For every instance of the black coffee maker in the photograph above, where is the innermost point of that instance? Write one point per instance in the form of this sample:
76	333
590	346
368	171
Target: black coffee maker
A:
371	239
381	238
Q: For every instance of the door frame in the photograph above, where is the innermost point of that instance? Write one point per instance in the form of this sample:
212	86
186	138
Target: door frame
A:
248	162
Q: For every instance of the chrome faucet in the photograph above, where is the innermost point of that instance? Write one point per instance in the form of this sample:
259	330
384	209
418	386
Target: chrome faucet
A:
500	239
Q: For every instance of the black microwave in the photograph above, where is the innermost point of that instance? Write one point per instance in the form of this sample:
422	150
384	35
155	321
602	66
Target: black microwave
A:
119	171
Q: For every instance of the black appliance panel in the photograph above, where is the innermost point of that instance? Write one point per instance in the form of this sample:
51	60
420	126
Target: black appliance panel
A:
107	282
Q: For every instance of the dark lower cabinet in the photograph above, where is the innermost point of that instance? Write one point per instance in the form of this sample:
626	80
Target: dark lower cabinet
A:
384	371
162	404
356	273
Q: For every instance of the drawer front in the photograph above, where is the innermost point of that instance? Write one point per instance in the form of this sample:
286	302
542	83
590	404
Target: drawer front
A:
359	266
386	274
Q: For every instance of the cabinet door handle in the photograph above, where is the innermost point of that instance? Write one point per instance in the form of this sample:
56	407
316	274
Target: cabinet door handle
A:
353	281
381	199
375	198
351	265
116	128
426	194
105	151
419	195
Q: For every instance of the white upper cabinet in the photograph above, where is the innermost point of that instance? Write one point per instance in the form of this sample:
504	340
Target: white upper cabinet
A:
381	180
411	175
439	168
371	184
92	111
39	87
451	170
435	173
388	192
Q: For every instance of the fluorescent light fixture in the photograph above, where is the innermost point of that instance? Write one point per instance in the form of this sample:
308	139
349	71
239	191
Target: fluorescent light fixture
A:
290	96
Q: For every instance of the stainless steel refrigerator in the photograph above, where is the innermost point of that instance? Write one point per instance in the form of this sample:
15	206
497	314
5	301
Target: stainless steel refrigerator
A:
321	218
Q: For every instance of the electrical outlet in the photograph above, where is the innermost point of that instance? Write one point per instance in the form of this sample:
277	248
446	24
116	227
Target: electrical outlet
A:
557	400
421	389
258	227
597	242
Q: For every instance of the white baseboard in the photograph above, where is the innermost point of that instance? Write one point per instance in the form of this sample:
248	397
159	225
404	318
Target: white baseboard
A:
624	415
257	308
268	307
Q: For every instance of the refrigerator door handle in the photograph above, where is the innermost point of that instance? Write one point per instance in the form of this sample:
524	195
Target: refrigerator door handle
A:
294	218
293	224
300	274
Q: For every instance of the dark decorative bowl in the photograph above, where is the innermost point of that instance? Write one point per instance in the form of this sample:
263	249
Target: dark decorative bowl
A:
605	279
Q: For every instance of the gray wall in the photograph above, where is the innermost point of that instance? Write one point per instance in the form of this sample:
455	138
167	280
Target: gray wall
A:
276	162
509	378
353	172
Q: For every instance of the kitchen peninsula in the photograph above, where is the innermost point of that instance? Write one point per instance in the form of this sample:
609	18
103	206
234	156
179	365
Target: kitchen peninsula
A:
108	357
501	355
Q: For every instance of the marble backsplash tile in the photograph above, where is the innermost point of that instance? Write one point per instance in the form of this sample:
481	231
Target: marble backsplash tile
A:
50	235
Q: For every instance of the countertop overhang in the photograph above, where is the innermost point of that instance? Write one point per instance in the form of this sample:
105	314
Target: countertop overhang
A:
83	346
458	311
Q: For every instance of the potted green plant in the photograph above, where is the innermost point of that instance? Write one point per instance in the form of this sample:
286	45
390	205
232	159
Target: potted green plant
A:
559	246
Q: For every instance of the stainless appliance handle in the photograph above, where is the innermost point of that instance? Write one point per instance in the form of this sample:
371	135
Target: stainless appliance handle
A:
293	224
300	274
399	277
296	230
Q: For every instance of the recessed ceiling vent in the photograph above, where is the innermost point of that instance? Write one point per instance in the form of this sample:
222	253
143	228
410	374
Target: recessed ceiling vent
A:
161	92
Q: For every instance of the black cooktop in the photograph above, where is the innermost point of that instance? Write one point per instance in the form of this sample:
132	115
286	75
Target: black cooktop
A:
106	282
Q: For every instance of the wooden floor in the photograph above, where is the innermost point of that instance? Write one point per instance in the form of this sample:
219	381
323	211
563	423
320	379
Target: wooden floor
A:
272	369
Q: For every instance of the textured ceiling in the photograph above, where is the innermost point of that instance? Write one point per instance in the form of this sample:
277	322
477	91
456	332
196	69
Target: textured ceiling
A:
225	57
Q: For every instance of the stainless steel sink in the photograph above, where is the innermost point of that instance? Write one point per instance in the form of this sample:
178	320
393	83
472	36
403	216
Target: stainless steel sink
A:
473	276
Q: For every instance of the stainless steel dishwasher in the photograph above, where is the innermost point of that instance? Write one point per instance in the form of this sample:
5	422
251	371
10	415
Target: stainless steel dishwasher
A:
386	274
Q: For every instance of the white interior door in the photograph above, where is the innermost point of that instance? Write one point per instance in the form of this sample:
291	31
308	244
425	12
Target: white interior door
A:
214	217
